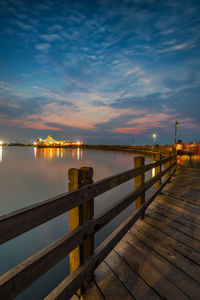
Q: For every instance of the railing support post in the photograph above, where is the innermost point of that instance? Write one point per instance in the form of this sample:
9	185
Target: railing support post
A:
75	181
87	212
139	180
158	157
79	215
167	164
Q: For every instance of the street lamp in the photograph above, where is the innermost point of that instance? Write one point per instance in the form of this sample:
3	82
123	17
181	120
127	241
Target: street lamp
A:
154	136
176	127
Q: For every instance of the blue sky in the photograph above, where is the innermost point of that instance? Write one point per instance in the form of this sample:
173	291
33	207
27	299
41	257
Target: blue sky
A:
101	71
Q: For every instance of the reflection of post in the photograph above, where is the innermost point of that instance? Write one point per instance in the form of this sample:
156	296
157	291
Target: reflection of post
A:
1	153
157	170
139	180
79	215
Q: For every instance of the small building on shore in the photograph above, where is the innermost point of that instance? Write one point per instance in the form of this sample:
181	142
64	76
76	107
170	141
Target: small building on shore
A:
50	141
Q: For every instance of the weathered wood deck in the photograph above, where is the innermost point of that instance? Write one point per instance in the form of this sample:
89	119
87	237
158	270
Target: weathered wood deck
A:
160	255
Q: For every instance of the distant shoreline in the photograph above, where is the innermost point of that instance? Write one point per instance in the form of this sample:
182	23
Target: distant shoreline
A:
145	149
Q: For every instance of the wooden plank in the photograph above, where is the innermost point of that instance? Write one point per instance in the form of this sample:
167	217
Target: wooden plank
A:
110	285
180	224
92	292
181	181
134	283
176	217
180	279
187	206
177	235
172	208
24	274
170	254
22	220
172	191
177	226
150	275
186	194
187	251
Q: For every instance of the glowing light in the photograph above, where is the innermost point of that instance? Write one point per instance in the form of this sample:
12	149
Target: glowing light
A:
153	171
154	136
78	154
1	143
35	152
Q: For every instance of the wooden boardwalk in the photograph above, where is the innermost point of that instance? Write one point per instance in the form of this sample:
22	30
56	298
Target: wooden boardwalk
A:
159	258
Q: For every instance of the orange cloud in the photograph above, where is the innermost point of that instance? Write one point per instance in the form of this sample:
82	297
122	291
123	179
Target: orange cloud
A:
34	125
129	130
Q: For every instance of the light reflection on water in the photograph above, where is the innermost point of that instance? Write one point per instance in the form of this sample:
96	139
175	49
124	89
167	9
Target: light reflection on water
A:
1	154
30	175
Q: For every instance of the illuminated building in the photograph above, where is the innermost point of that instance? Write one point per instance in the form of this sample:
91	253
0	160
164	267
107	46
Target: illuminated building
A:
49	141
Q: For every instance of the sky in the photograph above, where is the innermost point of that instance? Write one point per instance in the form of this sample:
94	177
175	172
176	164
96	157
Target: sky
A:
104	72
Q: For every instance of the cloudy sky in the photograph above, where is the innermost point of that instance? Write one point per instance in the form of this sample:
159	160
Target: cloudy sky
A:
104	71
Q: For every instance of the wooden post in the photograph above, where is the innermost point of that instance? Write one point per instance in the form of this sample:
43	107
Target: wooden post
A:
139	180
79	215
167	164
88	212
157	170
75	181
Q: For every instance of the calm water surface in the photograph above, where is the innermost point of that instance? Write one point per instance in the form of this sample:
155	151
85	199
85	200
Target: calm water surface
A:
30	175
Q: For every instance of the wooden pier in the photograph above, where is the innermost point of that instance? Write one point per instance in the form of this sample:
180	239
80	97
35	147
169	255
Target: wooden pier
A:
154	257
159	258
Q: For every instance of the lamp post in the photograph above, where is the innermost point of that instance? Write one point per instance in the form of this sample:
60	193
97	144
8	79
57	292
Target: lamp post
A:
176	127
154	136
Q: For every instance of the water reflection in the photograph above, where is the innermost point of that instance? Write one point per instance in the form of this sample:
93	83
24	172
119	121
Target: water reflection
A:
1	153
57	153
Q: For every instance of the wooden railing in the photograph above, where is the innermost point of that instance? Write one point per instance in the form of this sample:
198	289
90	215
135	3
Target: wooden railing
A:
14	224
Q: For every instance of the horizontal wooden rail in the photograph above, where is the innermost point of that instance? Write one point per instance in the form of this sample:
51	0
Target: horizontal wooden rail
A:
20	221
31	269
67	288
107	215
20	277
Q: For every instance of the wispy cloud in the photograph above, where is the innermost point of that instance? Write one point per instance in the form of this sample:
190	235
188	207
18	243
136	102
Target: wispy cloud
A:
50	37
23	25
34	125
42	47
3	86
